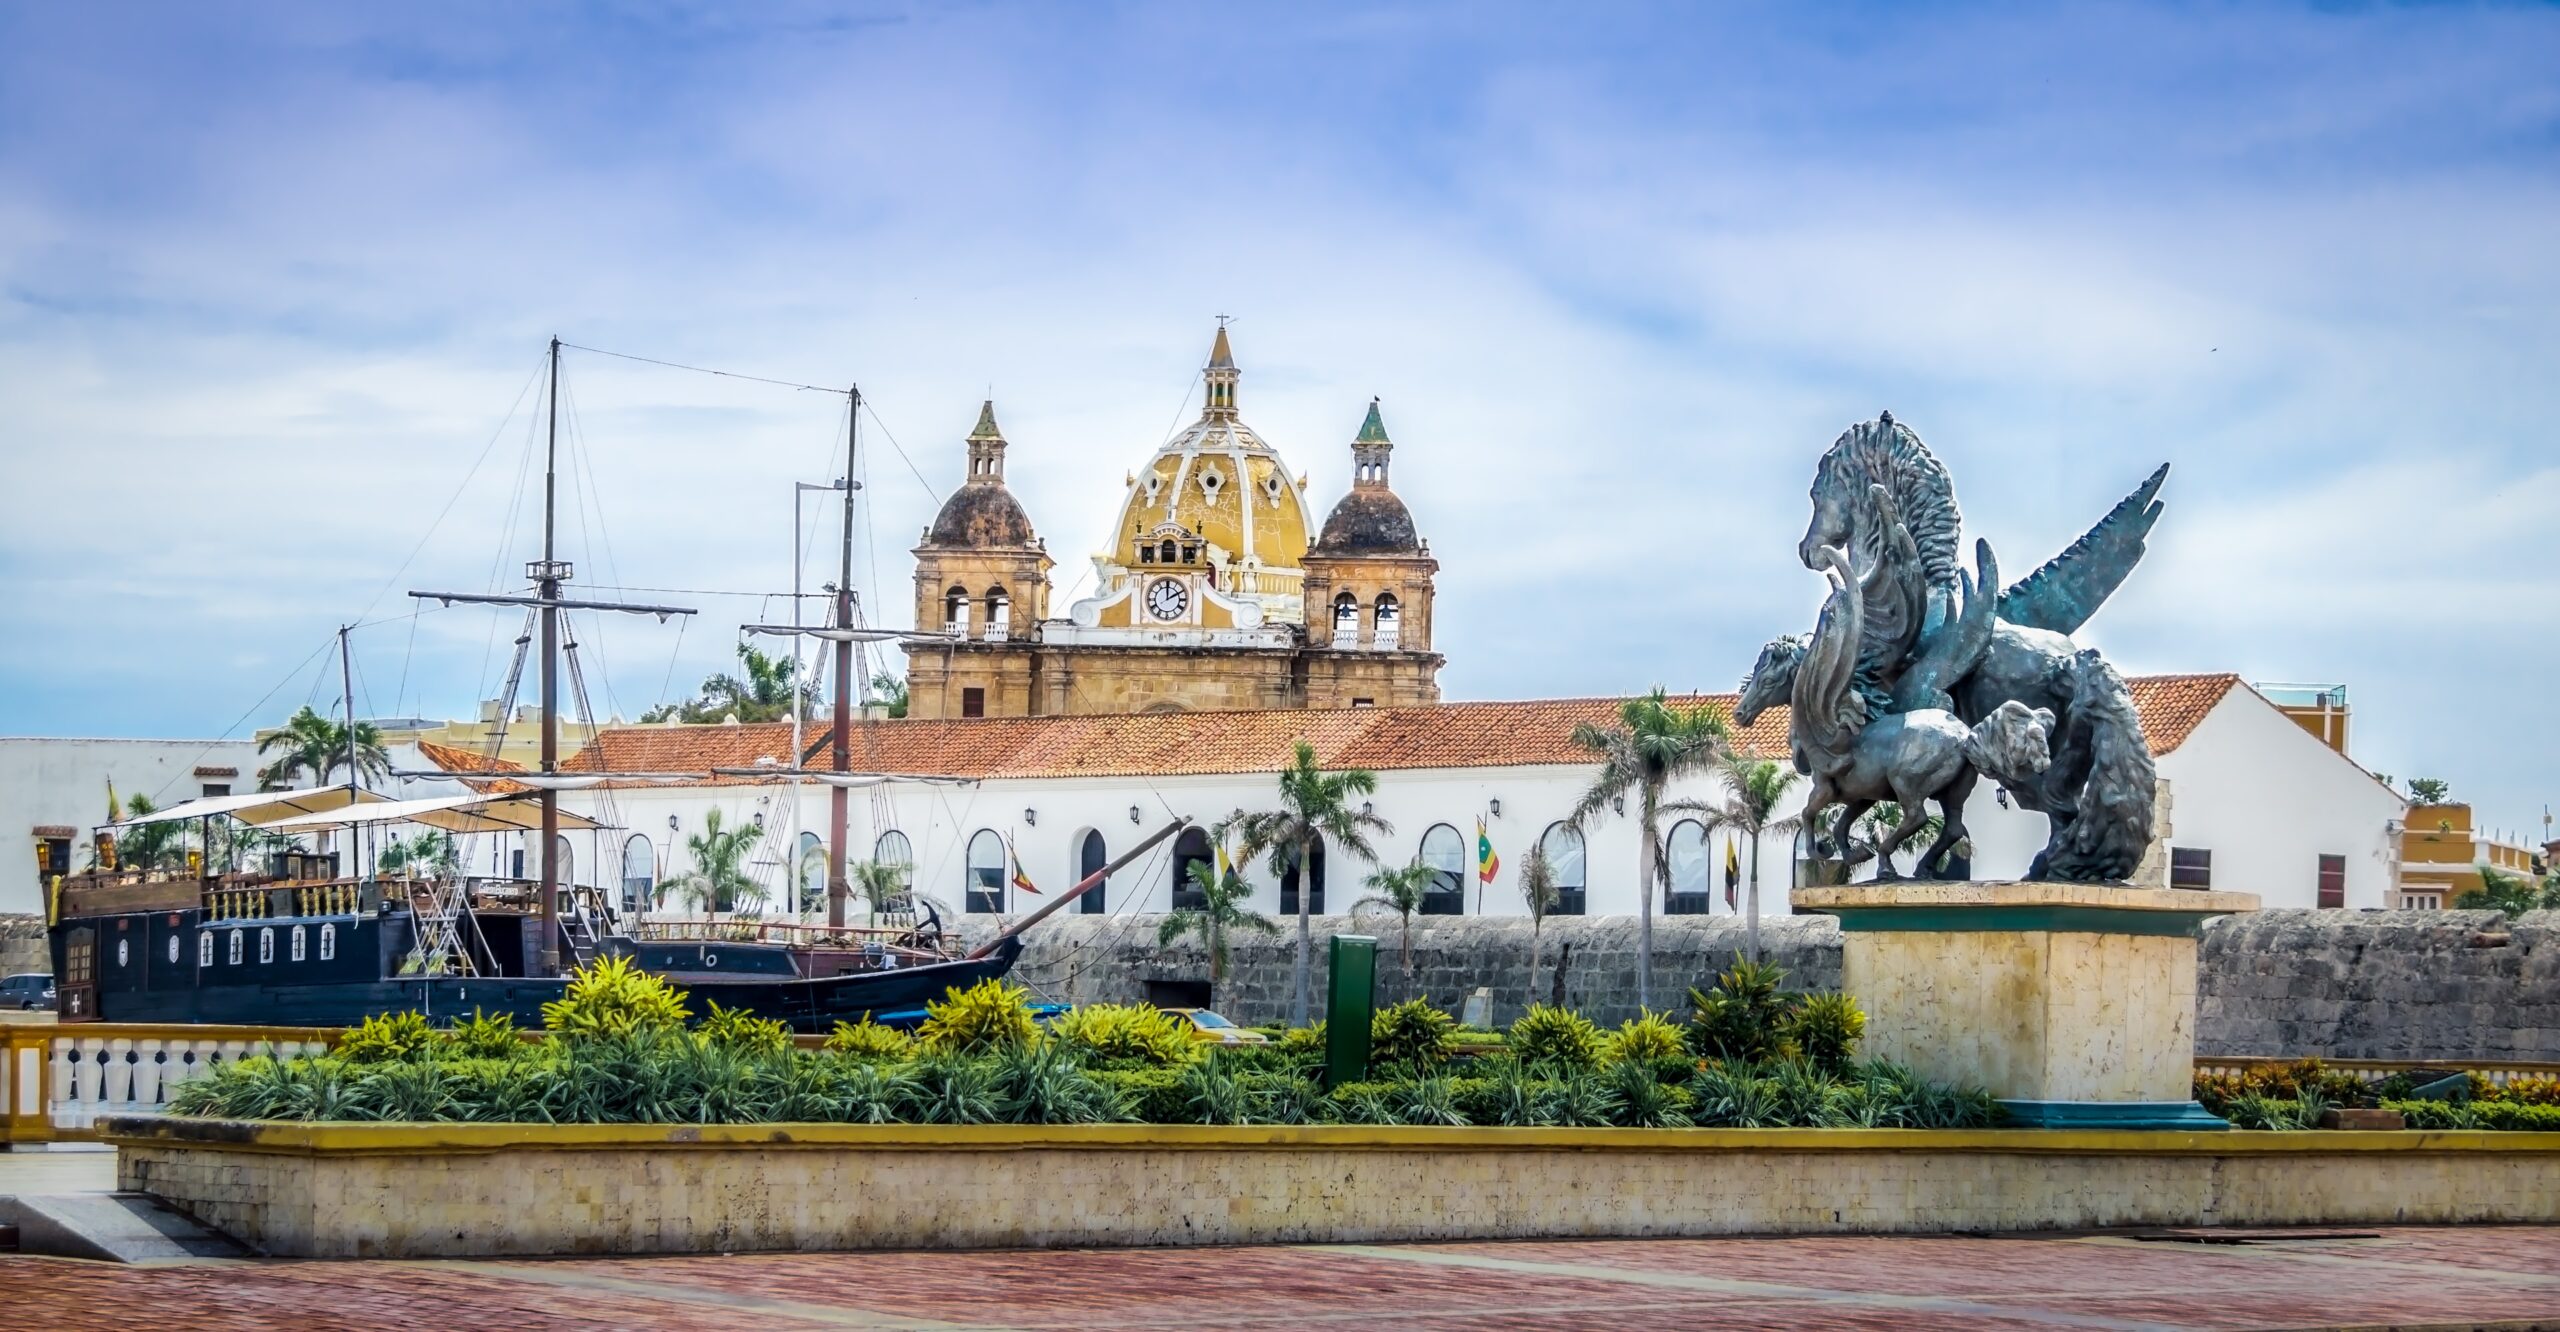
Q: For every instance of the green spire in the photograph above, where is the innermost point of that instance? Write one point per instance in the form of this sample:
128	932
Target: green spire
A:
1373	430
987	422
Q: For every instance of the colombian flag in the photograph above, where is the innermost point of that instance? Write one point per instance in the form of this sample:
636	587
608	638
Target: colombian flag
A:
1487	863
1020	879
1732	874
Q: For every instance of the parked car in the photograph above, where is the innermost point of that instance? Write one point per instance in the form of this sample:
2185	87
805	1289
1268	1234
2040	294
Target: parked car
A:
31	990
1208	1026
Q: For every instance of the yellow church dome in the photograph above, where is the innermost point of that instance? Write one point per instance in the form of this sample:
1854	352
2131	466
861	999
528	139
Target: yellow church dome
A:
1215	509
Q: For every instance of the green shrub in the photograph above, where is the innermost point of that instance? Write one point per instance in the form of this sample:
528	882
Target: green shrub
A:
745	1033
1510	1098
990	1017
1825	1029
2527	1090
1127	1036
1148	1095
1727	1095
409	1092
952	1089
387	1038
1582	1100
2254	1111
611	997
867	1041
1305	1042
1428	1102
1365	1103
1643	1100
484	1036
1214	1093
1647	1038
1556	1038
1743	1016
1411	1037
1043	1084
2496	1116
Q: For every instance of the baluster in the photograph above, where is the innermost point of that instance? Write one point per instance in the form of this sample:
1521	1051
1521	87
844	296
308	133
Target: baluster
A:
62	1090
147	1075
92	1070
116	1093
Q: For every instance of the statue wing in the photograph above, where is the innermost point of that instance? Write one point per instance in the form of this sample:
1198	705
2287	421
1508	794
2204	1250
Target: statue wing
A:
1955	647
2071	586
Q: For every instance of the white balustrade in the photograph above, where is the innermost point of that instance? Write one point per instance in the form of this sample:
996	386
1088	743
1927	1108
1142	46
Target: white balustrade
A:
92	1077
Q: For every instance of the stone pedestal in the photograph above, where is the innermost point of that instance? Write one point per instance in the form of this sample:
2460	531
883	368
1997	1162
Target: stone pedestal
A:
2073	1003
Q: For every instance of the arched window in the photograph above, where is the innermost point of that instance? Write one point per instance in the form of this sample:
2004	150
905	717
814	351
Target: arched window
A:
1563	844
985	881
1091	855
204	949
1446	854
639	871
328	942
1390	623
999	614
1288	863
1165	552
266	945
1189	849
955	610
812	865
1346	621
300	944
239	940
894	849
1684	855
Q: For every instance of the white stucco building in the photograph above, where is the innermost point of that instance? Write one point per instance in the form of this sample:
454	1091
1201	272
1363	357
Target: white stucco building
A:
54	791
2254	804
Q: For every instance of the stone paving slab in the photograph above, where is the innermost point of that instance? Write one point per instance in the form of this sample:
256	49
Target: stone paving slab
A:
2407	1277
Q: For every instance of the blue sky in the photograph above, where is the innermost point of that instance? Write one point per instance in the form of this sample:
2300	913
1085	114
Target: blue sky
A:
271	277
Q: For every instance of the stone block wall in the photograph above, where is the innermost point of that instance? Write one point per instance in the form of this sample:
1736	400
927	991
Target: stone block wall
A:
23	946
2348	985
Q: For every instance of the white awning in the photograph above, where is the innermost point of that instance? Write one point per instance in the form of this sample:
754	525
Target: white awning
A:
260	808
455	814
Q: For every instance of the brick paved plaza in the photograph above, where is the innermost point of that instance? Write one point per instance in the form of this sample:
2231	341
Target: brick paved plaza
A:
2472	1277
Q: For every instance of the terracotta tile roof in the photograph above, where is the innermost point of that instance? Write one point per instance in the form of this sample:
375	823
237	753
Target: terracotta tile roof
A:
1445	735
450	759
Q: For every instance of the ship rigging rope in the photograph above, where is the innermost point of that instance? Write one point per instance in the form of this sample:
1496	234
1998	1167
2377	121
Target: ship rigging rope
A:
291	674
777	383
456	496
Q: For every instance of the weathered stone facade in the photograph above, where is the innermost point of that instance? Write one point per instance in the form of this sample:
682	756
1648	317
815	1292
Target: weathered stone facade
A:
22	945
2362	985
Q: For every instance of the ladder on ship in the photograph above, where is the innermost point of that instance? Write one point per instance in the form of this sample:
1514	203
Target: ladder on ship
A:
438	910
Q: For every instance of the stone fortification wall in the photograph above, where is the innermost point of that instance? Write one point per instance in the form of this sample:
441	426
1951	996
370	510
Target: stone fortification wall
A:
2381	985
22	945
2360	985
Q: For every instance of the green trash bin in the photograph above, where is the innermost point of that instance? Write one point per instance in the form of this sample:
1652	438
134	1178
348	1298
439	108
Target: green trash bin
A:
1351	996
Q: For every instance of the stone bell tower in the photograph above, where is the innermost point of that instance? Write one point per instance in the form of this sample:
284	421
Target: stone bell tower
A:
1368	592
982	577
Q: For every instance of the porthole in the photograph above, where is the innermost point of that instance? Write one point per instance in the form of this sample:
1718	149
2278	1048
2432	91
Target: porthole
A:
710	959
124	953
173	950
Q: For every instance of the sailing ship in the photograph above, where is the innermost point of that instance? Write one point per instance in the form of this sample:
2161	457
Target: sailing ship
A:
310	939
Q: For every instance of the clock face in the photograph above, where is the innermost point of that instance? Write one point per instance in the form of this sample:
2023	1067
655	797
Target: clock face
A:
1167	598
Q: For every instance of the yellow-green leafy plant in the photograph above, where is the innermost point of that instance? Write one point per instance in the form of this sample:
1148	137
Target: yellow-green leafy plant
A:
484	1036
1556	1038
611	997
870	1042
990	1017
1645	1038
1127	1036
1825	1028
1410	1037
387	1038
733	1029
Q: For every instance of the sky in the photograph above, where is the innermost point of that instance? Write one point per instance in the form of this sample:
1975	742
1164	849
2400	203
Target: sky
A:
275	281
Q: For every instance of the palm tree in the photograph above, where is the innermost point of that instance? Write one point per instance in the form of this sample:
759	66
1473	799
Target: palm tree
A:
1221	912
1886	816
877	882
1399	890
1752	791
1653	742
891	689
1538	890
153	846
428	852
2513	894
765	693
1314	805
316	745
719	873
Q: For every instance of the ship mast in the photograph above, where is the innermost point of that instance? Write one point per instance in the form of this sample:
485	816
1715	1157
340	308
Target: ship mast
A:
840	799
547	574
